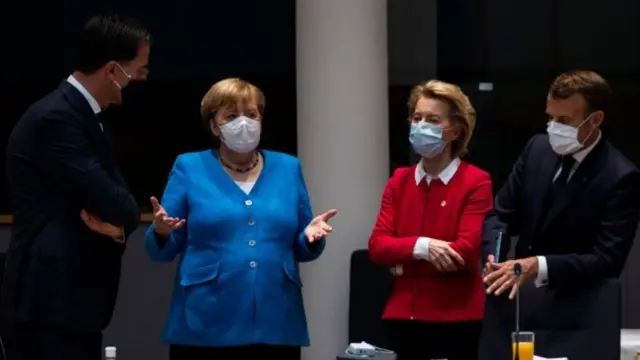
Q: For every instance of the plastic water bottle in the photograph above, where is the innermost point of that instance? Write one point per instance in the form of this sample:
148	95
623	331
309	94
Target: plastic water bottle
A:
110	353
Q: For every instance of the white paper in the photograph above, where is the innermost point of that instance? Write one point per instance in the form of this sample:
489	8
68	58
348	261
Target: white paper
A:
535	357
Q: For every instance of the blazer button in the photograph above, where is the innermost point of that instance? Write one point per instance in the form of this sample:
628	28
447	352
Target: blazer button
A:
251	222
252	243
248	202
252	264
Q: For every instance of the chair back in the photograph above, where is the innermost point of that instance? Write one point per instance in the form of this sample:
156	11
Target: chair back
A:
369	289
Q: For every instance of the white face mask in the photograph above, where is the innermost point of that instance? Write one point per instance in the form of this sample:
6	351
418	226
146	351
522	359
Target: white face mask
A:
242	134
564	138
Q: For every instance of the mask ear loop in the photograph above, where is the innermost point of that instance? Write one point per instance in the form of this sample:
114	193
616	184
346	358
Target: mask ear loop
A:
212	125
590	132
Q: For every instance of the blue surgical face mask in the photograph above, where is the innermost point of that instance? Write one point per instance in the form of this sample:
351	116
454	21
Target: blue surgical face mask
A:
426	139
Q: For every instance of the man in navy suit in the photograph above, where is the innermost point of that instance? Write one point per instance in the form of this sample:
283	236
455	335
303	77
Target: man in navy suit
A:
72	209
572	198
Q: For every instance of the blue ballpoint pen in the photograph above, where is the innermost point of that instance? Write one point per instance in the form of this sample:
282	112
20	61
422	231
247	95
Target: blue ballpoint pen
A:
499	241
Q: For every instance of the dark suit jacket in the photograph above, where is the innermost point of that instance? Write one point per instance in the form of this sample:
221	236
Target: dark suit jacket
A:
59	162
587	233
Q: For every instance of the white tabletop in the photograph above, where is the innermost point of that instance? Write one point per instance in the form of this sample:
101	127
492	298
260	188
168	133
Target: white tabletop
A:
630	343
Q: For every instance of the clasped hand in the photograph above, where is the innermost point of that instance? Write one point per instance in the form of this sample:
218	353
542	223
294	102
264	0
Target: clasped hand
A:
443	257
500	276
319	226
95	224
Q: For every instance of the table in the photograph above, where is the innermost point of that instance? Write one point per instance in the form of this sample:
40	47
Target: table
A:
629	347
378	356
629	343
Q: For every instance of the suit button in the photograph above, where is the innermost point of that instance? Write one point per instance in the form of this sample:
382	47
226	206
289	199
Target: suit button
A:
251	222
248	202
252	243
529	247
252	264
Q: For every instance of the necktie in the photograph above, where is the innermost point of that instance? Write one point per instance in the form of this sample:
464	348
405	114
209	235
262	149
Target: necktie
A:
562	179
559	184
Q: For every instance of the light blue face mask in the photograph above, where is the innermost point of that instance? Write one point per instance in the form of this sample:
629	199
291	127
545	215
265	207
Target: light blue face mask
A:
426	139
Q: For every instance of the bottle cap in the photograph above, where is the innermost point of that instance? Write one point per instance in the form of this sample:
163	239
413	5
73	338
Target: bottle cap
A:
110	352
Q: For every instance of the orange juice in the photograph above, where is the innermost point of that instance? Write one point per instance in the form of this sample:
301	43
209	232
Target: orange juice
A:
526	350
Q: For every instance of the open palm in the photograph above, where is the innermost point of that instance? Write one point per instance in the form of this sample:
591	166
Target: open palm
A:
164	224
319	226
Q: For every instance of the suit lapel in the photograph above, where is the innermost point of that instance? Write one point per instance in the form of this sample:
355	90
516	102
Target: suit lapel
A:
549	164
583	175
107	139
78	102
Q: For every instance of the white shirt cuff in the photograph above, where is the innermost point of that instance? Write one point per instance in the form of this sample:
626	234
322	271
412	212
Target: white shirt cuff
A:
421	248
543	276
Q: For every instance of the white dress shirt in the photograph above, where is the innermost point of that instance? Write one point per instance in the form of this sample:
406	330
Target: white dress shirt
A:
543	274
87	95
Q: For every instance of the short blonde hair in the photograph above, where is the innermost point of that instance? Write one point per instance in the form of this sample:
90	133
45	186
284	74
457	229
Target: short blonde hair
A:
462	112
229	92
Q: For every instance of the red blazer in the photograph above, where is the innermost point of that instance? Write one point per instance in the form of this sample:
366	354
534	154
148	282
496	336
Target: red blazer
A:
453	212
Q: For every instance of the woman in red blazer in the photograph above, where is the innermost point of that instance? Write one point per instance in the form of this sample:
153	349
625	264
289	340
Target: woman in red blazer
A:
428	232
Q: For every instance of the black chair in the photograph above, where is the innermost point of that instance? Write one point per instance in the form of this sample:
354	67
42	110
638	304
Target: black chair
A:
581	322
369	289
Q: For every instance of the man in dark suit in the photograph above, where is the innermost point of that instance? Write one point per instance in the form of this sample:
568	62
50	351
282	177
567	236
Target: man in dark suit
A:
572	198
72	210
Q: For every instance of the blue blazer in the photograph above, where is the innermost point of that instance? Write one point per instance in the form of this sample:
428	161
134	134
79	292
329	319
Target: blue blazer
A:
237	281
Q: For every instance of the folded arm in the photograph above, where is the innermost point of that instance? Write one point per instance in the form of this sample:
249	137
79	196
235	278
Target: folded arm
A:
132	225
384	247
304	251
478	203
71	161
174	201
620	217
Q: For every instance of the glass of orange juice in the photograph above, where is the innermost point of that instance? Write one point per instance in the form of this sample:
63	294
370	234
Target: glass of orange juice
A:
525	341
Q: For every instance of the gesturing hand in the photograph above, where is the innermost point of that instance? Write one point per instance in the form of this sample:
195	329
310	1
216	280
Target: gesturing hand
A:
163	224
97	225
318	227
443	257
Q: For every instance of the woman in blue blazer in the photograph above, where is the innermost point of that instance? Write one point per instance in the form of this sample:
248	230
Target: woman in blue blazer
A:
240	220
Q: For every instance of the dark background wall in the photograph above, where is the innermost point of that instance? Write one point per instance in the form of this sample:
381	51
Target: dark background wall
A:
516	46
195	44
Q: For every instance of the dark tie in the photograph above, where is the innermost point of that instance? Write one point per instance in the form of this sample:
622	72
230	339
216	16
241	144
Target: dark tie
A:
562	179
559	184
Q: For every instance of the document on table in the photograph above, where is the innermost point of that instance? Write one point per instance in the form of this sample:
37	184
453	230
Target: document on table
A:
544	358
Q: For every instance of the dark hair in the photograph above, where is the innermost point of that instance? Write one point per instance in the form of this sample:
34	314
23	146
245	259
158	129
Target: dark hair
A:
591	86
108	38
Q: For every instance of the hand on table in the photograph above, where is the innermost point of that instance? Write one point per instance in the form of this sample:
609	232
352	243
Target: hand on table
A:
163	223
443	257
97	225
318	227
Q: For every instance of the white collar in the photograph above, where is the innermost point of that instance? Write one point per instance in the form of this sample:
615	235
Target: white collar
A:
445	175
92	101
580	155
